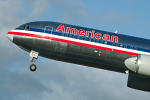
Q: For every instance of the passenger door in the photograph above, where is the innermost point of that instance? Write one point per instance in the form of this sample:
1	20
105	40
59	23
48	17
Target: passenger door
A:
48	30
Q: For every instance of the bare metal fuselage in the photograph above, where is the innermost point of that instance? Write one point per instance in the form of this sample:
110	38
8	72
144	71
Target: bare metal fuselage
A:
74	53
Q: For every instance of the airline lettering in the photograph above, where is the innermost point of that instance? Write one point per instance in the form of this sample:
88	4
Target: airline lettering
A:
82	32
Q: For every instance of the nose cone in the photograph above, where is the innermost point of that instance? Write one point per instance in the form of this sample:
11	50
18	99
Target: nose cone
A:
10	36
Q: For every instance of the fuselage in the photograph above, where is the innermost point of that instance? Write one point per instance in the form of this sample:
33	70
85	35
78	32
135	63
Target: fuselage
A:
79	45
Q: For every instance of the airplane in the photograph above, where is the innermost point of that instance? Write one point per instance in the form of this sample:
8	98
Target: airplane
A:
86	46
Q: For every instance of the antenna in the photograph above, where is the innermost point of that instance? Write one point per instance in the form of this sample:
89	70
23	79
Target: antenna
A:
116	32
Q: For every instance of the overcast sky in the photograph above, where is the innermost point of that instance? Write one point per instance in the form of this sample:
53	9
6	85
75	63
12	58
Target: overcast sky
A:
56	80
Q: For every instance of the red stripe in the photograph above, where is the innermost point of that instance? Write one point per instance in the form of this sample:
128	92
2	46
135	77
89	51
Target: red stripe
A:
93	46
16	33
34	35
26	34
74	42
47	37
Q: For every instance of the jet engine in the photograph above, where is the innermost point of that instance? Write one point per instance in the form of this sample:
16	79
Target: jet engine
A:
139	82
139	64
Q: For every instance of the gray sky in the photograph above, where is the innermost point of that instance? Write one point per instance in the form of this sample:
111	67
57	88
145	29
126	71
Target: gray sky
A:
63	81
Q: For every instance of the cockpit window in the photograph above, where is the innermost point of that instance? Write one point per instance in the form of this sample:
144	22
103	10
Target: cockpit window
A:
25	27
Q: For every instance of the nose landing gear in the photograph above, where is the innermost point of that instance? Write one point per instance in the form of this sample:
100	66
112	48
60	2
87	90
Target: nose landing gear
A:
34	56
32	67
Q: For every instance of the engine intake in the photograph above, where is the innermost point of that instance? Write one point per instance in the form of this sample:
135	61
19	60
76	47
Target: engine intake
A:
139	64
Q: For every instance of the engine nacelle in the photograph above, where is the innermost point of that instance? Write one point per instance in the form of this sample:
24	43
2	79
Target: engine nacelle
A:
139	83
140	64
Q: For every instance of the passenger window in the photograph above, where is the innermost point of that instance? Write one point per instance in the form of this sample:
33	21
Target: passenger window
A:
117	45
97	41
105	42
131	47
121	45
74	36
62	34
93	40
70	36
89	39
113	44
101	41
135	48
66	35
125	46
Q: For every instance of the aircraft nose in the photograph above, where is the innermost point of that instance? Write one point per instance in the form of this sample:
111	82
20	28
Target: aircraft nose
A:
10	36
